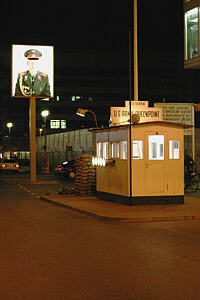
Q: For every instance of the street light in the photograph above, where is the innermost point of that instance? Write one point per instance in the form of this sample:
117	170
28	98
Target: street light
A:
45	114
82	111
9	125
40	131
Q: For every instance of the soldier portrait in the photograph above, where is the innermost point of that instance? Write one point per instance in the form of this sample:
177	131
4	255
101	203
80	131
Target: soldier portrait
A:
33	81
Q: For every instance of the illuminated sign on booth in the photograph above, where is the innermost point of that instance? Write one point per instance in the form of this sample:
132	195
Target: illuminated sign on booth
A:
98	161
120	115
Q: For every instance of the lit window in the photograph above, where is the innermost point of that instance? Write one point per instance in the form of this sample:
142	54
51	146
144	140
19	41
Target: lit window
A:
75	98
105	150
123	149
191	33
115	150
174	152
63	124
137	149
156	147
55	124
99	150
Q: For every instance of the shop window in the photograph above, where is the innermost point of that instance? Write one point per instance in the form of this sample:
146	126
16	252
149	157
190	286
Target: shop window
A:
174	150
105	150
156	147
115	150
123	149
137	149
191	33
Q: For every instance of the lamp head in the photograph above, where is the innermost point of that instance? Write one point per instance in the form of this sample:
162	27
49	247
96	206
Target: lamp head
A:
45	113
9	125
81	112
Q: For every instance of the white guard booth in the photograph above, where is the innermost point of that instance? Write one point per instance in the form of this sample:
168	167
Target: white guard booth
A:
155	172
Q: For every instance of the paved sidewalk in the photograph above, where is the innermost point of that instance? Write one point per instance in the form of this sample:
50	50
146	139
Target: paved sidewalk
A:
109	211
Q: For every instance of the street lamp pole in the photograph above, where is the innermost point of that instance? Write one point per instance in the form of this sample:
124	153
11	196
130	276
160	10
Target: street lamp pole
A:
32	126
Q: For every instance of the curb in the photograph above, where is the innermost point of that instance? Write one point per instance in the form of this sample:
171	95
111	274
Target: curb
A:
82	211
119	219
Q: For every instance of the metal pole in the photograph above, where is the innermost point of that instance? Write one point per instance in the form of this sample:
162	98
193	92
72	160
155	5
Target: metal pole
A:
45	135
130	98
135	53
193	133
32	132
94	117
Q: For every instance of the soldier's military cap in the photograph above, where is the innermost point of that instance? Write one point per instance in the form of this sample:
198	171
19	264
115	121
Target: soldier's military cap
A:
32	54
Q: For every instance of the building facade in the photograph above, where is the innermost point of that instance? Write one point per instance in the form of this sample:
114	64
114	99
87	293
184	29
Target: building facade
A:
191	34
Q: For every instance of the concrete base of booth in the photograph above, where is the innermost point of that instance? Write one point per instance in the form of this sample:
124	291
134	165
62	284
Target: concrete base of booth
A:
142	200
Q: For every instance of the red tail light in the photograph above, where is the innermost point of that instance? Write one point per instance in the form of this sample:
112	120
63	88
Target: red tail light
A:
58	169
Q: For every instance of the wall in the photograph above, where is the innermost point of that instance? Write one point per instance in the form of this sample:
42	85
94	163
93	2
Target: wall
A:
66	146
113	178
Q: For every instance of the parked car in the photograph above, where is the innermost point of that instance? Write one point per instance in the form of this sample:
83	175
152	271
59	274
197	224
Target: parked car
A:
9	165
66	169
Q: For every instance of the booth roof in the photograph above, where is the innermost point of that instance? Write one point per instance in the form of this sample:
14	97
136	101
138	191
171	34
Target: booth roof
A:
162	123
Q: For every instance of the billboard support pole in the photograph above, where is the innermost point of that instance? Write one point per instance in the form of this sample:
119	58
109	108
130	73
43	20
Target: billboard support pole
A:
32	134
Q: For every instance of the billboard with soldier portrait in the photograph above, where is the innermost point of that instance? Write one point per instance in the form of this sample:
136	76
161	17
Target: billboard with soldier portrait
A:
32	71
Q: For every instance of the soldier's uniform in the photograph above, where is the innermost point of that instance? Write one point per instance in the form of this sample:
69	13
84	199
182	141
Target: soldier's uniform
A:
32	85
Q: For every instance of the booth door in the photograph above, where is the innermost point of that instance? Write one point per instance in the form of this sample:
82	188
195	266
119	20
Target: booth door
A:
155	160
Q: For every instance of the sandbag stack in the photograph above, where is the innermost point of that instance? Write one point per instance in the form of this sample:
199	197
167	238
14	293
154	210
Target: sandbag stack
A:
85	180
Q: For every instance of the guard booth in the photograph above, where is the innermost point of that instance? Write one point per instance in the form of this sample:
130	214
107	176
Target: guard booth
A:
155	172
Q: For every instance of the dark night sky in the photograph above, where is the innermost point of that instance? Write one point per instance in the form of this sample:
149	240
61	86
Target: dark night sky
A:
92	24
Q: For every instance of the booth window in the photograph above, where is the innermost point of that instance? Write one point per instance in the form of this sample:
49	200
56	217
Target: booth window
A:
123	149
174	150
105	150
191	33
99	150
156	147
115	149
137	149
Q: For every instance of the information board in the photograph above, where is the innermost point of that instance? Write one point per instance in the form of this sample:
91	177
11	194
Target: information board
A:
178	113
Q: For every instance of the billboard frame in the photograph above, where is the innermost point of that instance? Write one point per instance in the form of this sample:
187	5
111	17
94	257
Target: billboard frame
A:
15	70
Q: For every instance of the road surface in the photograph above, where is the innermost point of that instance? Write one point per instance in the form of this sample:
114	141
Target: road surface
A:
50	253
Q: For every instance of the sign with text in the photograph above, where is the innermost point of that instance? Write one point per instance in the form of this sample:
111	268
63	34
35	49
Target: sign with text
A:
120	115
178	113
137	103
32	71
